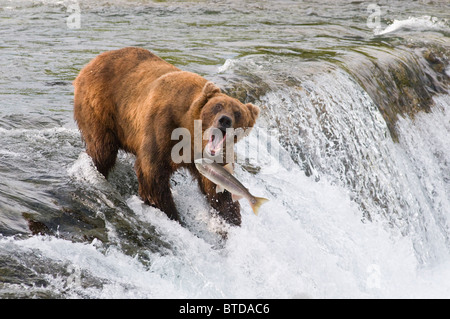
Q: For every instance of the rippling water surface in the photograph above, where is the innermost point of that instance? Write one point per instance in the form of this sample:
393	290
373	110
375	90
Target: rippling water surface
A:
352	148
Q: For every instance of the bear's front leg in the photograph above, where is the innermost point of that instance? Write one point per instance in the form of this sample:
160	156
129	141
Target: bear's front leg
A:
222	202
154	188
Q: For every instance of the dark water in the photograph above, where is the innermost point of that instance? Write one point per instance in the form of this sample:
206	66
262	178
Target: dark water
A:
352	147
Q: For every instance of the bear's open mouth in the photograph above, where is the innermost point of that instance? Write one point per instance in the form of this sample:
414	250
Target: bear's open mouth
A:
216	140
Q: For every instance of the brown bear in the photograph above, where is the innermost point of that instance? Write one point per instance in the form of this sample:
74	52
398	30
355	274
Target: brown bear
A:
131	99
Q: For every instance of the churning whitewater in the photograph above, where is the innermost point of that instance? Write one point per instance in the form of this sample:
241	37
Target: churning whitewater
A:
351	149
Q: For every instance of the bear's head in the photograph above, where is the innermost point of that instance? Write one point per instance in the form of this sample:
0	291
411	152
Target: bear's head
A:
223	115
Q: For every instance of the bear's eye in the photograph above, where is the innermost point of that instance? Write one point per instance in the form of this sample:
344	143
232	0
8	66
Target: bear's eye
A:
237	115
217	108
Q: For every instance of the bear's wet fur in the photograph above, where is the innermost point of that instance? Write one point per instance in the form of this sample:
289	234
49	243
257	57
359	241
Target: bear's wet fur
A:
131	99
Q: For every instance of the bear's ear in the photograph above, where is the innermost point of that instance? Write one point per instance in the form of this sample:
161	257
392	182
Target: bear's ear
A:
254	111
210	89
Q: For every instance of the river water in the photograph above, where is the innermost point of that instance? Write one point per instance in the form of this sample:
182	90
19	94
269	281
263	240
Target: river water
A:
352	148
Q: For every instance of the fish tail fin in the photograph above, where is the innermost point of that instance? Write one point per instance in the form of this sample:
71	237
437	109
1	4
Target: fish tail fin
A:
258	202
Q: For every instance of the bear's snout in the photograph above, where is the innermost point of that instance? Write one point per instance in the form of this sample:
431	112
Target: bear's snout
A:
225	122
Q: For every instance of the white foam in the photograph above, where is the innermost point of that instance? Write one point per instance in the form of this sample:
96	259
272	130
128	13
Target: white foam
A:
226	66
415	23
83	169
308	241
39	132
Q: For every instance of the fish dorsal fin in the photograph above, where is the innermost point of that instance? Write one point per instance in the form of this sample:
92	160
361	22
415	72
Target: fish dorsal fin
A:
219	189
229	168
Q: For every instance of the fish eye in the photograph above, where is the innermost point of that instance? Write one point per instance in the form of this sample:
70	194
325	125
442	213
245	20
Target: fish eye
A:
217	108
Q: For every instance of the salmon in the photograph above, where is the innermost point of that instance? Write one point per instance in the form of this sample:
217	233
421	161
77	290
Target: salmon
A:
223	178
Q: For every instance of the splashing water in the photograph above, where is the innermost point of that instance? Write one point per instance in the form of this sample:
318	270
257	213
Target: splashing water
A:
351	148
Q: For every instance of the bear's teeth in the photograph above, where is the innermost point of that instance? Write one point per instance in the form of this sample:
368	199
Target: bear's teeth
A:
214	144
217	144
